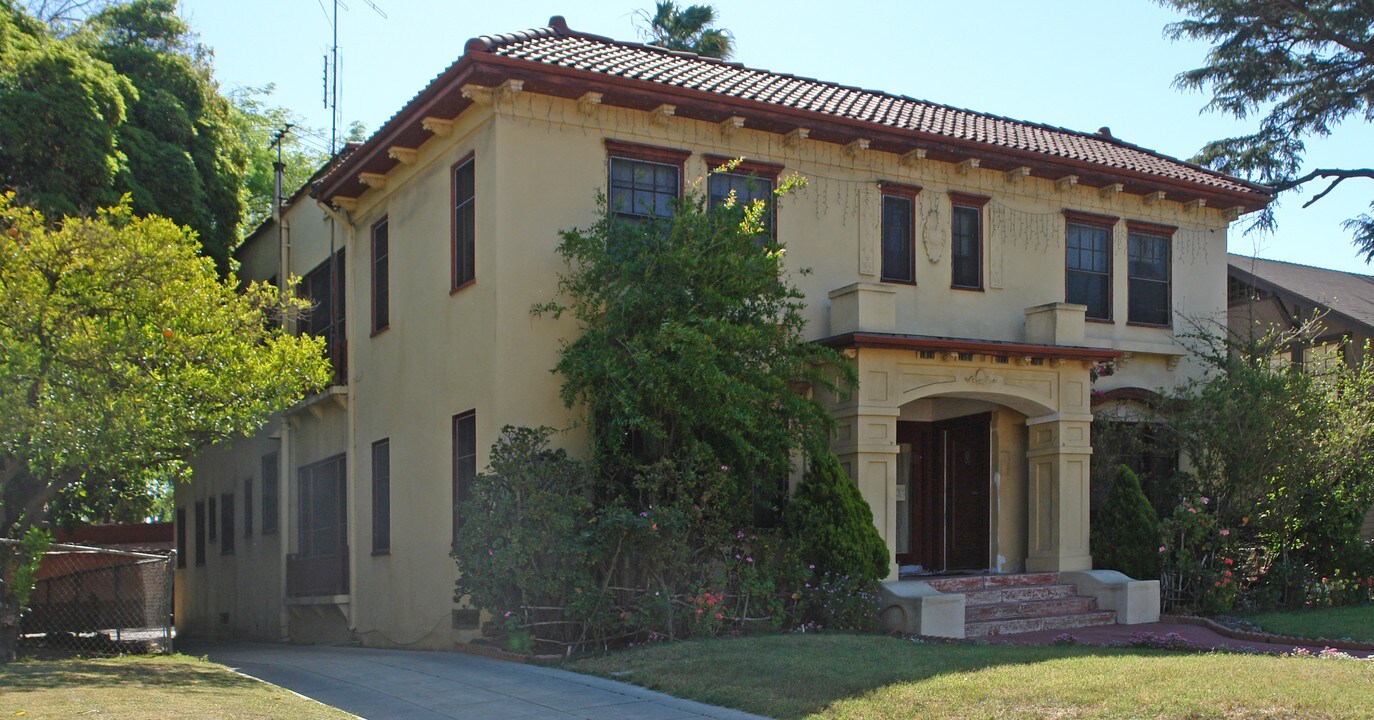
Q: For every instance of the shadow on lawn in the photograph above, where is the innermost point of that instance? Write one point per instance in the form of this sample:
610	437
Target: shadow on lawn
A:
185	674
768	674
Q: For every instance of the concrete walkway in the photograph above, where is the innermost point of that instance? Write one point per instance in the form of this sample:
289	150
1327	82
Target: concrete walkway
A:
418	685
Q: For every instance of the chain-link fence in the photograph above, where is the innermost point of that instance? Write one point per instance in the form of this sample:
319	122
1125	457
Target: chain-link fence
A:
99	601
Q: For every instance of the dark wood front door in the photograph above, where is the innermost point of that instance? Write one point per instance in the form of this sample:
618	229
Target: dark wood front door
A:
947	495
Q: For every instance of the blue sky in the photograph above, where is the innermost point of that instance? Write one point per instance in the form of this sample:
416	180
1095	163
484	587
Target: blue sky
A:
1072	63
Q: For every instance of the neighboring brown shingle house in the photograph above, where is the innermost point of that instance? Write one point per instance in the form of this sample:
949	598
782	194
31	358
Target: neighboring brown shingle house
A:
1267	294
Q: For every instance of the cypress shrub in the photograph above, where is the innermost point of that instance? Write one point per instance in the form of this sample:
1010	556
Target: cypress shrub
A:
832	524
1125	533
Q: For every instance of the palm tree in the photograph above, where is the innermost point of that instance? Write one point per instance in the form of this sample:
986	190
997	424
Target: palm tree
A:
688	28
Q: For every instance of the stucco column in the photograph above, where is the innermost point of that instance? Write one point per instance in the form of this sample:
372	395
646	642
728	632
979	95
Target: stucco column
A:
1057	508
867	447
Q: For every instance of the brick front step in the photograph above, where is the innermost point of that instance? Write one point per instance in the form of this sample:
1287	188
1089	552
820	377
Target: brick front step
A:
1032	624
1031	608
971	583
998	596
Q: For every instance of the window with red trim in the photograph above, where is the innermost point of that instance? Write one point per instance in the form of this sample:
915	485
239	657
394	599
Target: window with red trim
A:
381	280
464	222
1088	263
899	233
645	180
1148	271
966	233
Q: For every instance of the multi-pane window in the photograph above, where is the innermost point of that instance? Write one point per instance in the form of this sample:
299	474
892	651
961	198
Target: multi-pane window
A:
323	515
381	277
324	288
898	238
381	496
464	222
181	537
464	463
966	252
200	533
1088	267
643	189
1148	270
226	531
248	507
749	182
270	493
645	181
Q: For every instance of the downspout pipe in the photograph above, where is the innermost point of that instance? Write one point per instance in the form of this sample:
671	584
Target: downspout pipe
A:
341	219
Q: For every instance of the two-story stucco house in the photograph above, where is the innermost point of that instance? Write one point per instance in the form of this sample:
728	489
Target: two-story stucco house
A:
973	268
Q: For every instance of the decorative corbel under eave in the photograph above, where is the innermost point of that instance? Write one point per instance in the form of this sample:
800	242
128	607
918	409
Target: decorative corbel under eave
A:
729	126
1155	197
1234	212
968	166
403	155
588	103
794	138
438	126
347	204
662	114
1066	182
485	95
914	158
1016	175
372	180
1195	205
1111	190
854	148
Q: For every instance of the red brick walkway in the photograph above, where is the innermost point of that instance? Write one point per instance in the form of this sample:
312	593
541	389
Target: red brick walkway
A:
1194	634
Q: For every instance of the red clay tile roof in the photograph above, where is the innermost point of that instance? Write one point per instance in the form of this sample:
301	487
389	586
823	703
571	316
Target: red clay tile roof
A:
557	49
557	45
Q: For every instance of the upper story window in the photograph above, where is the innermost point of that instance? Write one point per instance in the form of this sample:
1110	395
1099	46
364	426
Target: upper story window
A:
899	233
464	222
748	181
1088	263
1148	270
644	180
966	241
226	531
324	288
381	276
966	234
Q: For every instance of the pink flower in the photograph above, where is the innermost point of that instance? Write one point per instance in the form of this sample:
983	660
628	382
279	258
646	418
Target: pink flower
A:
719	616
1192	510
1224	533
724	468
1205	501
1163	549
1229	561
749	559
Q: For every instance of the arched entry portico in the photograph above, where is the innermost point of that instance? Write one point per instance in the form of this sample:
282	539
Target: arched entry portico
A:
1018	420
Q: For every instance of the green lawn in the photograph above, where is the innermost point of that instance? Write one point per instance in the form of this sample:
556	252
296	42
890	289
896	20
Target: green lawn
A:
856	676
1353	622
159	687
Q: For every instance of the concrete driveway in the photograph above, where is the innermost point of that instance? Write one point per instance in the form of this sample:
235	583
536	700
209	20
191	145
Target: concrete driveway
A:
417	685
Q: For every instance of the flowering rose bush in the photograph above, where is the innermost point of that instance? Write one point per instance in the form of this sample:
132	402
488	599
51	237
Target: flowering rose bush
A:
1198	560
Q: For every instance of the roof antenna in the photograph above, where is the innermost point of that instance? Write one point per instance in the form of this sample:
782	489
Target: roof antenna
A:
332	80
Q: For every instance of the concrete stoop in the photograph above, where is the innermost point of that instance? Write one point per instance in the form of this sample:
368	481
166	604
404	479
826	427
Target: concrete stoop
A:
976	606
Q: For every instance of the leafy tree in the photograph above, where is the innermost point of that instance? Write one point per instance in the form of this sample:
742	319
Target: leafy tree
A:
688	28
185	158
122	352
692	343
1285	457
63	15
1303	68
60	114
1125	533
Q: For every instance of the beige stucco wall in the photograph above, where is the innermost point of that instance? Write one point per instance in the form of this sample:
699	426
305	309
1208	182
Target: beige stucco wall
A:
540	162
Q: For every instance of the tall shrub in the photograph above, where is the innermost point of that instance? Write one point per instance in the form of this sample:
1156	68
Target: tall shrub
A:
832	524
520	549
1125	533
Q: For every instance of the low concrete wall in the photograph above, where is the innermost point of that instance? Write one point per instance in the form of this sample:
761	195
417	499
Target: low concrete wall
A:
912	607
1135	601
